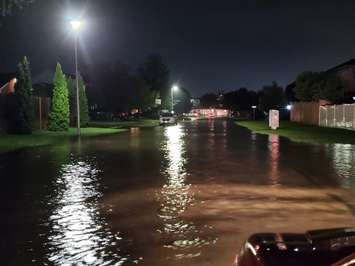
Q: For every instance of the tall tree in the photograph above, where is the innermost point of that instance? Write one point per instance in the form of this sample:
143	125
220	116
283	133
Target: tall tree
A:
83	102
271	97
315	86
156	75
24	101
72	100
6	6
182	100
308	86
332	89
209	100
59	115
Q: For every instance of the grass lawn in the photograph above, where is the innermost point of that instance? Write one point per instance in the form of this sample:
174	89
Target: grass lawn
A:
42	137
125	124
303	133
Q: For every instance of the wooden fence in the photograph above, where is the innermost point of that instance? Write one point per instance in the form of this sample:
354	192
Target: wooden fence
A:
305	112
41	106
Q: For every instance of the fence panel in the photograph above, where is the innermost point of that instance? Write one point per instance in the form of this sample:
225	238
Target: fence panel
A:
339	116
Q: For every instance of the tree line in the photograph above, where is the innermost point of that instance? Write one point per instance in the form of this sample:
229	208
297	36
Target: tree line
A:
20	109
117	87
309	86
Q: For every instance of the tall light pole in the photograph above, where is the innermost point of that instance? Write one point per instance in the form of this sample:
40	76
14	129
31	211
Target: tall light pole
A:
173	88
76	26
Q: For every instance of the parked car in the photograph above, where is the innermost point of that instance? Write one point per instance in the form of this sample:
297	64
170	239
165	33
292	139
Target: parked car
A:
167	119
321	247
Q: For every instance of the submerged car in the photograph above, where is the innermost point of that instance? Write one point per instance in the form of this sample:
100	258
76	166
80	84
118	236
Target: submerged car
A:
334	247
167	119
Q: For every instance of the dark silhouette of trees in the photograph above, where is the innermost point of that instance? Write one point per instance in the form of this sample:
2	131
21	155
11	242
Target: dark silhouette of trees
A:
209	100
272	97
182	100
7	6
24	109
157	77
241	99
314	86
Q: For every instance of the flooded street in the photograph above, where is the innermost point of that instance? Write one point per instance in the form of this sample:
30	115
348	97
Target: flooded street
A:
188	194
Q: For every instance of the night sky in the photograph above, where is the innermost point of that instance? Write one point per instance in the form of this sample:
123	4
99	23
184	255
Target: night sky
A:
208	45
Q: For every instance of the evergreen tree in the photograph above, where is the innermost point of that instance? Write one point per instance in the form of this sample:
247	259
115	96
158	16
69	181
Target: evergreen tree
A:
59	116
83	102
24	111
72	101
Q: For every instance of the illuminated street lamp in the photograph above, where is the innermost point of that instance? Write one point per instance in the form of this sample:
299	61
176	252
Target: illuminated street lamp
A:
173	88
289	107
76	26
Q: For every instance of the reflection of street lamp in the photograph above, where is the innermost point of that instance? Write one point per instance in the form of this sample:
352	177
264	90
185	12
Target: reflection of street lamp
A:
76	26
254	108
173	88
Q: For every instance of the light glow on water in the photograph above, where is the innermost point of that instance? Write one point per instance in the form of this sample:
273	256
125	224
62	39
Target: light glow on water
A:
343	158
78	235
175	197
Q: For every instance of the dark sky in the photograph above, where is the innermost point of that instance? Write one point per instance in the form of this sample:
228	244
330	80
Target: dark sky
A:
207	44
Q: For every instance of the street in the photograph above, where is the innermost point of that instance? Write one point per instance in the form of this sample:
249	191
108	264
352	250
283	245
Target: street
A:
188	194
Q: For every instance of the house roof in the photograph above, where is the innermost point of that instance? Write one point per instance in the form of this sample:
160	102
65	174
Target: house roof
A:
350	62
6	77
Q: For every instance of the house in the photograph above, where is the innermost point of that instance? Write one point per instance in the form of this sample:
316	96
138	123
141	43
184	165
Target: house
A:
7	83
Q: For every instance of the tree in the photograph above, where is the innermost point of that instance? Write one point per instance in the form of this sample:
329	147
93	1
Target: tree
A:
271	97
308	85
156	75
145	97
83	102
24	110
332	89
209	100
6	6
72	100
182	100
315	86
59	115
241	99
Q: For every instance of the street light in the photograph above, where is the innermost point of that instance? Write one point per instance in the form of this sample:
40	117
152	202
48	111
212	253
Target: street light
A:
173	88
253	107
76	26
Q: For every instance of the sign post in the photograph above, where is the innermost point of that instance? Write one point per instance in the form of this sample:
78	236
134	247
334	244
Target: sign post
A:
274	119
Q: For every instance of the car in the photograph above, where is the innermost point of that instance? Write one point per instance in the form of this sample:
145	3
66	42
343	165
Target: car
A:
334	247
167	119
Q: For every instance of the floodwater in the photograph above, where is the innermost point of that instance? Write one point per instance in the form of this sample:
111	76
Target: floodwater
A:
179	195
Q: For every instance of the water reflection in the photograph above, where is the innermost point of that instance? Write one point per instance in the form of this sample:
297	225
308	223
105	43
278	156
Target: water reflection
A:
274	148
175	197
78	235
343	158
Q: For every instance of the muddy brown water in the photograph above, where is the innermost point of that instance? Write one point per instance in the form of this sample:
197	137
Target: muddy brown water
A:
179	195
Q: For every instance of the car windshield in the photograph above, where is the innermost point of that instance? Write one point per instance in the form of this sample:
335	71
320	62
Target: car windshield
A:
166	115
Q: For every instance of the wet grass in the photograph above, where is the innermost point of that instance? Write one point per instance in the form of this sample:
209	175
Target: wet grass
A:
303	133
42	137
125	124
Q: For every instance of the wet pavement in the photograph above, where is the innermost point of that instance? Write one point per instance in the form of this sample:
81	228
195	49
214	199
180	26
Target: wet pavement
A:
186	194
